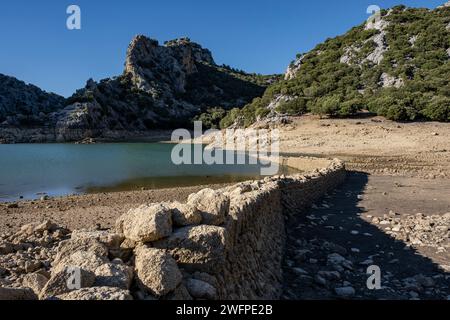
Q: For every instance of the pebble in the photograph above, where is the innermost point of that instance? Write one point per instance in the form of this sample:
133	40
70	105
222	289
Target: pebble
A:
345	292
320	280
367	262
300	271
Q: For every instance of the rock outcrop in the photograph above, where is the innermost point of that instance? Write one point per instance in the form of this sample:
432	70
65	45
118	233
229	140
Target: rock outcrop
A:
162	86
26	105
233	249
293	68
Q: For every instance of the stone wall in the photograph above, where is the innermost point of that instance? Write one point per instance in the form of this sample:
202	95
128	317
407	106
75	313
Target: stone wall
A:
224	244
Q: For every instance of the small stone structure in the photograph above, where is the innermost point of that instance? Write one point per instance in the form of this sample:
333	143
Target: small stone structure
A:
223	244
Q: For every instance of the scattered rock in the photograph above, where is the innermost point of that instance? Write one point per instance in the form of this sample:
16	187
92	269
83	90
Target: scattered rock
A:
17	294
179	294
345	292
35	281
339	262
201	289
116	275
97	293
67	280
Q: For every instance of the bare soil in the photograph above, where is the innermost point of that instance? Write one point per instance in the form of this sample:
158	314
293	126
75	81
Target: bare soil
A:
87	211
373	145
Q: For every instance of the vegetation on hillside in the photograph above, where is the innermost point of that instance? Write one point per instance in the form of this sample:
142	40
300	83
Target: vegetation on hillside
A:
417	55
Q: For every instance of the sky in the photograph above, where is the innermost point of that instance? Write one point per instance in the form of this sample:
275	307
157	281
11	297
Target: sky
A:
260	36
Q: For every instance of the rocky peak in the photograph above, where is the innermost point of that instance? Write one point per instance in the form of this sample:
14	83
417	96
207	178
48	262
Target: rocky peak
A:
198	53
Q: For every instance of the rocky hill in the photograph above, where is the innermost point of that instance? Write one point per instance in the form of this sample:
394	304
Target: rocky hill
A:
398	67
22	104
162	86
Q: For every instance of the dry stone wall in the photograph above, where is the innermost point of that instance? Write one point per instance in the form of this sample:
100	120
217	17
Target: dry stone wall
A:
223	244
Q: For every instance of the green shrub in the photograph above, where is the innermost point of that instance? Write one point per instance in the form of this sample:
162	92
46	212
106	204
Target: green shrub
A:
438	109
211	119
326	86
293	107
327	106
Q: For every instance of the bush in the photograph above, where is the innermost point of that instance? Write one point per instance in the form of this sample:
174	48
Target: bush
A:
326	86
327	106
293	107
211	119
438	109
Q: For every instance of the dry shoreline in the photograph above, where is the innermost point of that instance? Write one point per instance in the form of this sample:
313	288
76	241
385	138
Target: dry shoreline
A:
90	210
381	148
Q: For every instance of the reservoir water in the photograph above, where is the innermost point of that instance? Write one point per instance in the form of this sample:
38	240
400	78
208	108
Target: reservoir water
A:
31	170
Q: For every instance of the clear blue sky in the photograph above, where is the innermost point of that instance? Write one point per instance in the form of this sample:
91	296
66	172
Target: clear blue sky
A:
255	35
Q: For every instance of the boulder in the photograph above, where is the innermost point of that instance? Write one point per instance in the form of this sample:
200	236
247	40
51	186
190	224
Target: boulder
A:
65	281
116	275
45	226
338	262
206	277
6	248
201	290
68	247
82	259
345	292
11	294
179	294
213	206
97	293
35	281
146	224
185	214
156	271
197	248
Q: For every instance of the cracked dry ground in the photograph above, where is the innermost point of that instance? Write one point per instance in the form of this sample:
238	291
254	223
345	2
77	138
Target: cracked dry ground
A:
399	224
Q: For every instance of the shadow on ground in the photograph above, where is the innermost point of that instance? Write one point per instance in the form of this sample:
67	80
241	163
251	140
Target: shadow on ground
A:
312	270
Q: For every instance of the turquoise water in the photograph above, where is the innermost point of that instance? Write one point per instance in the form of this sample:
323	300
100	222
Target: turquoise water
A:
31	170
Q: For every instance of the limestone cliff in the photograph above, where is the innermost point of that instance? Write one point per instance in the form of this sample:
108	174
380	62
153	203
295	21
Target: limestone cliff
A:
162	86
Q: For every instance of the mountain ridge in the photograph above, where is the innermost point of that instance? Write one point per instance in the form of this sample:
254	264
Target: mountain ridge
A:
161	87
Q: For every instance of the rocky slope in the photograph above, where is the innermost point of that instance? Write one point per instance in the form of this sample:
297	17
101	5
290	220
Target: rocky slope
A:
162	86
397	67
26	105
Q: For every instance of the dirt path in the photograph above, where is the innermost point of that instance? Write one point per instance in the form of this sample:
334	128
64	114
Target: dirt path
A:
330	249
393	211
